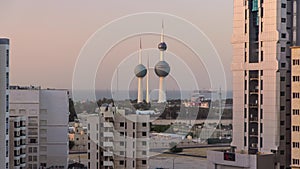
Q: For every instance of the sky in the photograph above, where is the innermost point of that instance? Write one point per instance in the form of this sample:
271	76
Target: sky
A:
48	36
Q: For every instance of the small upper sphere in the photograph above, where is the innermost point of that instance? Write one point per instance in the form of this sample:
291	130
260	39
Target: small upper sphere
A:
162	46
140	70
162	69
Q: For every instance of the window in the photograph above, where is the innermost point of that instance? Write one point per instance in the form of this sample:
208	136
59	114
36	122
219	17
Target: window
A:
282	49
7	58
144	152
296	78
282	93
144	143
144	133
281	137
144	162
296	145
261	55
133	125
283	35
261	114
261	12
245	28
121	162
282	79
245	141
283	65
122	143
122	124
261	142
296	161
121	133
245	127
296	62
283	20
295	111
245	55
296	128
283	5
282	152
144	124
296	95
282	123
246	14
282	108
245	112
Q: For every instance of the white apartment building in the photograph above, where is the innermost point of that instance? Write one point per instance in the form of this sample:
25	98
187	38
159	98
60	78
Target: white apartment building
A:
118	139
295	113
263	32
4	97
17	142
47	114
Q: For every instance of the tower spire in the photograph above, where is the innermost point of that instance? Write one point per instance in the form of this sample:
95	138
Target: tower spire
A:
162	31
147	82
140	51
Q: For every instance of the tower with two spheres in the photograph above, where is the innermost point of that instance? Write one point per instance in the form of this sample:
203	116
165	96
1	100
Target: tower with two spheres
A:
162	70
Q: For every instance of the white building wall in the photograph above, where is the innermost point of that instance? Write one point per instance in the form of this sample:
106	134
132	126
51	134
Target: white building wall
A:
47	113
4	115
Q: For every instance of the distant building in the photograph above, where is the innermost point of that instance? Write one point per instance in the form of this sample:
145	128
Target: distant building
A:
17	142
118	140
295	113
4	103
47	113
78	134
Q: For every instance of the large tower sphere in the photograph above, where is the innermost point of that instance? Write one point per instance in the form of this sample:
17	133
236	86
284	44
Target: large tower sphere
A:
162	69
140	70
162	46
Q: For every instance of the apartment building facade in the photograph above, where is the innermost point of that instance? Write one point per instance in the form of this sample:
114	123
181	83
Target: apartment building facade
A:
295	113
263	32
118	139
17	142
4	102
47	113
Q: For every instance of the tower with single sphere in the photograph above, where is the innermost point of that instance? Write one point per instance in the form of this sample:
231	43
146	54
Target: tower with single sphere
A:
162	69
140	72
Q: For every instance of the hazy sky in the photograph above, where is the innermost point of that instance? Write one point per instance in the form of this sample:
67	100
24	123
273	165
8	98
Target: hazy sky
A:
47	36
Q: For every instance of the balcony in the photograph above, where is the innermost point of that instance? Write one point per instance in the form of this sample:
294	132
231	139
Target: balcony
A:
108	134
108	144
108	125
108	163
108	154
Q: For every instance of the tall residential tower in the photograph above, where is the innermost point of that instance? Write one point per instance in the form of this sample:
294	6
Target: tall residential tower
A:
263	32
4	97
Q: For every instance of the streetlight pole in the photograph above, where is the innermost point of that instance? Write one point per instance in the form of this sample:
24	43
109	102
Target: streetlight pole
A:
174	162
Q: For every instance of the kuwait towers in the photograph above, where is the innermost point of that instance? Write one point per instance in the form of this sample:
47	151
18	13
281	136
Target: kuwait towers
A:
162	68
140	72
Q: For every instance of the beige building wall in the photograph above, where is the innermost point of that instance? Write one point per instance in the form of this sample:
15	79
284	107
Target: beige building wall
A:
261	40
118	140
295	128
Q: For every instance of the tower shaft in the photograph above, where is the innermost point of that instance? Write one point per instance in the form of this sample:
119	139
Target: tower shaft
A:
161	94
140	90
